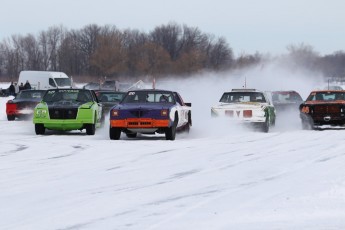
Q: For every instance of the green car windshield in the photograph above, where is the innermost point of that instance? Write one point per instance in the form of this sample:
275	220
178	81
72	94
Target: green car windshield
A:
67	95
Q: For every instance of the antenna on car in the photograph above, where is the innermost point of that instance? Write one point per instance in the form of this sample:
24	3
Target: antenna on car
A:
328	83
154	83
245	83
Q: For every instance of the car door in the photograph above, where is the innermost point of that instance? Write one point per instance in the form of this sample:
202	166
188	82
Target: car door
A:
271	109
99	106
182	110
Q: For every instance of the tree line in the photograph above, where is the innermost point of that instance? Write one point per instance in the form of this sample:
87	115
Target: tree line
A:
168	50
107	51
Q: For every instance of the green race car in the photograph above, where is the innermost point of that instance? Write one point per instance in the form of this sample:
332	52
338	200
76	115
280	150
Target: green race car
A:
68	109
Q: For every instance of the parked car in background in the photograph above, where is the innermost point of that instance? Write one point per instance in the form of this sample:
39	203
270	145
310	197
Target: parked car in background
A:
149	112
109	85
288	100
92	86
248	106
22	106
323	107
68	109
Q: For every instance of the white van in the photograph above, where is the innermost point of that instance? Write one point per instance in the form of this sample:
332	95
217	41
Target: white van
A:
45	79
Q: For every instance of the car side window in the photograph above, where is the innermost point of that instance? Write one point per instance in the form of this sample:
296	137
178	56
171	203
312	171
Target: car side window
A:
51	82
94	97
178	99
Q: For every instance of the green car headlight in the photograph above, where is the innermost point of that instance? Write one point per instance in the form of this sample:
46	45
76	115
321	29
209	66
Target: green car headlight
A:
41	112
86	106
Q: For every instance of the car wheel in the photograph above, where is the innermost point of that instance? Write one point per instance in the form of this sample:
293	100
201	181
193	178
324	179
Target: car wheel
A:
40	129
131	135
273	122
190	118
90	129
11	117
265	126
170	133
114	133
186	128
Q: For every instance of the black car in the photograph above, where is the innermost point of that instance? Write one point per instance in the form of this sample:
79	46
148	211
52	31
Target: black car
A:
286	100
92	86
109	85
22	106
109	98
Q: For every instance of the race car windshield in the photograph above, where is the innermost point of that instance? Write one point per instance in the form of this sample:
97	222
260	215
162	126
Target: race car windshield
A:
110	96
285	97
30	94
236	97
326	96
67	95
148	97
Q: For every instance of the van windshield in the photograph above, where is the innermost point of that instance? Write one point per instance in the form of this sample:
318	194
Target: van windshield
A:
63	81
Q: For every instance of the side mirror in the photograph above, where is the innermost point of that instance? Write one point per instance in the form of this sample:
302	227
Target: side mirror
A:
188	104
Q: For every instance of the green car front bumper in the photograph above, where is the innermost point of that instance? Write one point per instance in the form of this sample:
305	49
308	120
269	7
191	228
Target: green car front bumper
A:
84	116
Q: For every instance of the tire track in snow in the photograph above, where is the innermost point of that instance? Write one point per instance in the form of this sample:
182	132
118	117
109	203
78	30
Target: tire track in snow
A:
17	148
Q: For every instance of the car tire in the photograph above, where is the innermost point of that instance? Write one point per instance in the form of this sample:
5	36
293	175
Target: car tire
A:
265	126
90	129
11	117
40	129
114	133
170	133
186	128
190	118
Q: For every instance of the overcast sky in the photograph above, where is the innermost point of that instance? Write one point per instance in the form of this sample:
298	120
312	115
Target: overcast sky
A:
267	26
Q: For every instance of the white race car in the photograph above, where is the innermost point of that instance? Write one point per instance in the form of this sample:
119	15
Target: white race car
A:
246	106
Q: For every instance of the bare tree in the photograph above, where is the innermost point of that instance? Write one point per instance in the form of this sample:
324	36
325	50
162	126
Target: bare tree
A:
168	37
50	42
86	42
133	43
219	55
110	56
152	59
333	65
190	62
302	55
94	50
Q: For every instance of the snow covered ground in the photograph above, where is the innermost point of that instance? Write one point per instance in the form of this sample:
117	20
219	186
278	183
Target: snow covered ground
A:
217	177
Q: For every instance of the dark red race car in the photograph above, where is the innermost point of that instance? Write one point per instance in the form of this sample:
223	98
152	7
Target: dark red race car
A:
22	106
323	107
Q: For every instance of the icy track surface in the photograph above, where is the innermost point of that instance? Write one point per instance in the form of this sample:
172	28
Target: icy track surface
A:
210	179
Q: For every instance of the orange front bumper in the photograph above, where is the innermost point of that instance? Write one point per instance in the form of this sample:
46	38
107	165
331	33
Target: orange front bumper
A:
137	123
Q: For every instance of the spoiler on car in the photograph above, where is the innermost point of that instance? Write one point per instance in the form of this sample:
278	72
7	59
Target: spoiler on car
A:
244	90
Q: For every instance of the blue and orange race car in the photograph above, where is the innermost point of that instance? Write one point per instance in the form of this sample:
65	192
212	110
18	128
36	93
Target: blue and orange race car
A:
149	112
